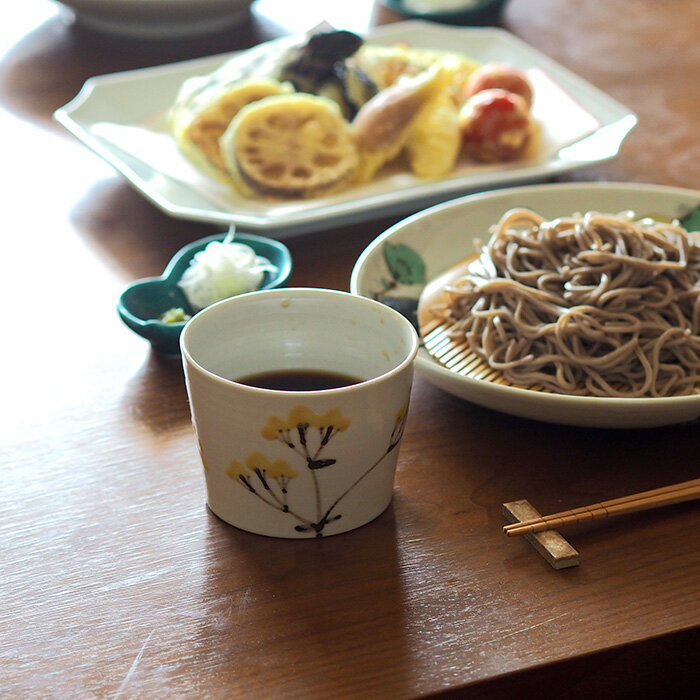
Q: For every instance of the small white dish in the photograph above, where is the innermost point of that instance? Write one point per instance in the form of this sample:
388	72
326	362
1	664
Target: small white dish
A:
157	19
396	266
448	11
122	117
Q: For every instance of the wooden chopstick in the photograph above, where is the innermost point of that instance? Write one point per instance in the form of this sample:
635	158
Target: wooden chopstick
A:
634	503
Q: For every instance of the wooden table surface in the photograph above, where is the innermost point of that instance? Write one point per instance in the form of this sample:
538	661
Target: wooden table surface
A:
116	581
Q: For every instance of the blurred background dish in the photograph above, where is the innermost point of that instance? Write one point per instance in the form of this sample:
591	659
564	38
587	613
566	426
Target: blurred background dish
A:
123	118
463	12
157	19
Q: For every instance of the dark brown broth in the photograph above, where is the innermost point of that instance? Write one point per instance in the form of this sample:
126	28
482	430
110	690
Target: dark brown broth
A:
298	380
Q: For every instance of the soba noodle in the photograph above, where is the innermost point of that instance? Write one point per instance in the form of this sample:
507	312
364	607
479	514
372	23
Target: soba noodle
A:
593	304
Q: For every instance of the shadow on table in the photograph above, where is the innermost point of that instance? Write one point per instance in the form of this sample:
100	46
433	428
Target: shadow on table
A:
129	231
316	618
660	667
156	397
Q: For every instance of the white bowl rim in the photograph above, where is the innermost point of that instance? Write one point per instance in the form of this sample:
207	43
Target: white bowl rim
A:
432	370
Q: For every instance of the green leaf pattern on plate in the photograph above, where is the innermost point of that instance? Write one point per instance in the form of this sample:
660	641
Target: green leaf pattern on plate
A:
691	220
405	265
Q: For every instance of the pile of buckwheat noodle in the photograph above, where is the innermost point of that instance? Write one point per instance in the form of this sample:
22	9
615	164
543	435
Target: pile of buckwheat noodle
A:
592	304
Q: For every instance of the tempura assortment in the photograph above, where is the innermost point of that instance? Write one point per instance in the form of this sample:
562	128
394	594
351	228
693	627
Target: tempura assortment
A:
299	117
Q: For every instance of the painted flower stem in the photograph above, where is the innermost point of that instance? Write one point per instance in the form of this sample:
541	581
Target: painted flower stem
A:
295	434
276	504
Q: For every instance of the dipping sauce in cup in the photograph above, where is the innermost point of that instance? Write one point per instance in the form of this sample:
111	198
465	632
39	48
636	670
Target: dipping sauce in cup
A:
299	399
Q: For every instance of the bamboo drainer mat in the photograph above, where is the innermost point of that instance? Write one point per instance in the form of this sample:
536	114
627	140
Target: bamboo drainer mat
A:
456	356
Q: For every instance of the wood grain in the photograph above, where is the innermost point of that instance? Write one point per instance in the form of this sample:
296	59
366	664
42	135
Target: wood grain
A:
116	580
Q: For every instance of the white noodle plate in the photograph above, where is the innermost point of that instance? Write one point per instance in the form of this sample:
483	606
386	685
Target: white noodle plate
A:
447	233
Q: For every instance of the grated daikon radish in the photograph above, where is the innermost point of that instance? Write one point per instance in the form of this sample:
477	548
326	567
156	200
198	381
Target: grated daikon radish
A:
223	269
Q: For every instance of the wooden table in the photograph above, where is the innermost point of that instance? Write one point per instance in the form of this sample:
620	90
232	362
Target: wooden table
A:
116	582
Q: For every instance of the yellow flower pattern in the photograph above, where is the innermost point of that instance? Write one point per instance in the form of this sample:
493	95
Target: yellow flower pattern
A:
301	415
274	469
401	413
200	447
307	434
235	469
399	425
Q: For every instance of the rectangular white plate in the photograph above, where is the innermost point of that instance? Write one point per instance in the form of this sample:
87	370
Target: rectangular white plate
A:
122	118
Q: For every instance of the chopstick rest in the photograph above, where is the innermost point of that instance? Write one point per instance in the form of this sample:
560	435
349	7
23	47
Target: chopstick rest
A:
550	544
645	500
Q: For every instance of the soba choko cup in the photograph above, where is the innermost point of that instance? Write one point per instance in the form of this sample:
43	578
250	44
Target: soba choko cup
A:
297	461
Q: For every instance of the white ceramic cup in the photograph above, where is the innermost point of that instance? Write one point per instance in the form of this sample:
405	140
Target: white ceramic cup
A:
298	464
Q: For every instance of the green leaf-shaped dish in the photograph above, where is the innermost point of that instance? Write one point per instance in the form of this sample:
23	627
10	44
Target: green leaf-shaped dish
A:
143	302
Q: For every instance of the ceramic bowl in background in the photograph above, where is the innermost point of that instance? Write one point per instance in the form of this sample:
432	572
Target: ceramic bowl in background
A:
122	118
462	12
157	19
143	302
